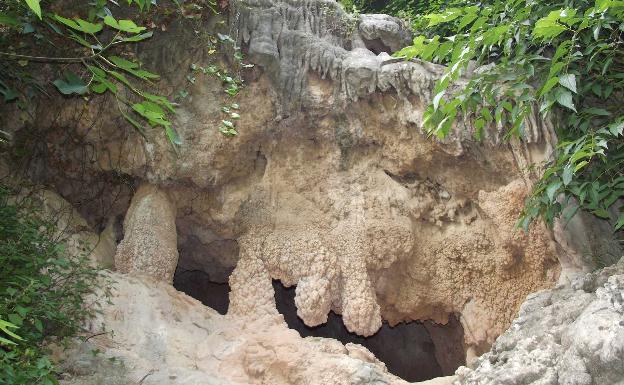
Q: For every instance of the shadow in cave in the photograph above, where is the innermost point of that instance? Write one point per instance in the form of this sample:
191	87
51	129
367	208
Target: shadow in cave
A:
414	351
197	284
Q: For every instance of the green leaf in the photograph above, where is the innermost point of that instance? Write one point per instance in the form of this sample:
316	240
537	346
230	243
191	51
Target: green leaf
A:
99	88
87	27
138	126
596	111
616	129
580	165
562	49
548	85
566	177
466	20
173	136
34	6
80	25
160	100
15	319
38	325
129	67
437	99
564	98
568	81
8	93
136	38
620	222
152	112
479	124
120	77
8	20
548	29
74	36
6	328
142	74
123	63
552	189
68	22
22	311
71	84
123	25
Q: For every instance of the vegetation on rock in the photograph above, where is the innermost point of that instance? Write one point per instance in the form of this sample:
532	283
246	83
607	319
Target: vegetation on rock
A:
89	53
563	58
43	292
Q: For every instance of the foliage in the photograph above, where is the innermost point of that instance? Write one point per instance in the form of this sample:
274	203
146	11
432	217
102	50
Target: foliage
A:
407	9
563	58
232	81
42	293
91	54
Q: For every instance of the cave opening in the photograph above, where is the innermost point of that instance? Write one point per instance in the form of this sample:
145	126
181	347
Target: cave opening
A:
197	284
414	351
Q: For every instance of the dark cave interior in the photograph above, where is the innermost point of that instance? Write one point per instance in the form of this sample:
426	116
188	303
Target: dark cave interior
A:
414	351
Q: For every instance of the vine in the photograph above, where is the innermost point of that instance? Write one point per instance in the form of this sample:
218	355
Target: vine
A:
232	81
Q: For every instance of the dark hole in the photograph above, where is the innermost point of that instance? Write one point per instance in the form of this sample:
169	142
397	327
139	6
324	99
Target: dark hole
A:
415	351
197	284
377	46
409	350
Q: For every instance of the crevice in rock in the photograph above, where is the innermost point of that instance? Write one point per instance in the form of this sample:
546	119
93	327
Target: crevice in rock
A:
198	285
377	46
414	351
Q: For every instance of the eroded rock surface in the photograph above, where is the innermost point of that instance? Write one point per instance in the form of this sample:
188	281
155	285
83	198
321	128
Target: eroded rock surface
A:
149	246
572	335
330	185
165	337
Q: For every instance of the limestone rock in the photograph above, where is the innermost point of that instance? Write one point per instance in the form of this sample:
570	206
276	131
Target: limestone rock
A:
293	38
342	196
165	337
572	335
149	246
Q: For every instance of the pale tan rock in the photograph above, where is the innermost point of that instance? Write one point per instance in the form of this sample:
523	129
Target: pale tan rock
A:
482	270
165	337
439	381
149	246
349	201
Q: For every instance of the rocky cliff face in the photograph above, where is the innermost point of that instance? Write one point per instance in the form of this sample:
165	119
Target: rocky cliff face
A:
330	185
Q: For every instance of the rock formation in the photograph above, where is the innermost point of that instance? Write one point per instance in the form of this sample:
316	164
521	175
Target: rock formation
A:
149	245
332	186
165	337
573	334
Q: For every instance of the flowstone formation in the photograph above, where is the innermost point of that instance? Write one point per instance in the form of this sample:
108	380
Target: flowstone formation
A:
330	186
572	335
149	245
382	224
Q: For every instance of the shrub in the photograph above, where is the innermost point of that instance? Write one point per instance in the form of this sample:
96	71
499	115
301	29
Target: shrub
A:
561	58
42	292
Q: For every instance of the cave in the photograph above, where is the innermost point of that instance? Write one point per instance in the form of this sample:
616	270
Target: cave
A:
414	351
198	285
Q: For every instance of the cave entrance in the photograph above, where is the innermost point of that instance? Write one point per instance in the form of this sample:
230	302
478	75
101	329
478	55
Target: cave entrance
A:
197	284
414	351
